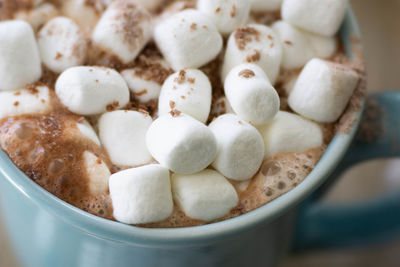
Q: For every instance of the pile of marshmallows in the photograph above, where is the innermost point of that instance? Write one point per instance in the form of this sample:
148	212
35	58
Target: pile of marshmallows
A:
234	144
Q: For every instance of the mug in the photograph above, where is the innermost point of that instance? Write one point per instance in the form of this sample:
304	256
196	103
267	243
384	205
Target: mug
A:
46	231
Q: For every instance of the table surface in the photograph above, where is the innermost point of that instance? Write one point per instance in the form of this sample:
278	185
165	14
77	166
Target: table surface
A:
379	21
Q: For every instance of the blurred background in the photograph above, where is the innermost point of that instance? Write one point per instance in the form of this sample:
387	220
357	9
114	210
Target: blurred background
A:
379	21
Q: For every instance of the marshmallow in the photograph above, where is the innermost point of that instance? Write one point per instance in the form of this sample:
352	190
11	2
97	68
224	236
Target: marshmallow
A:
87	130
266	5
91	90
320	17
97	173
141	195
123	135
61	44
188	39
188	91
143	90
227	15
86	15
297	50
38	16
206	195
181	143
256	44
323	90
240	147
323	46
123	30
25	101
251	95
19	55
288	132
150	5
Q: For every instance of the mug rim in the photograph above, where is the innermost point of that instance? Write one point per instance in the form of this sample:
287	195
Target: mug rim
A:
188	236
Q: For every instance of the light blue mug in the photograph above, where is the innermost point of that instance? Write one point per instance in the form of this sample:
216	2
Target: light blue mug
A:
47	232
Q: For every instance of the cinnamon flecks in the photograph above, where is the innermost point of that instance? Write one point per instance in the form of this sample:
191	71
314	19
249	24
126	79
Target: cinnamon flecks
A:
193	27
143	92
175	113
288	42
218	10
255	57
181	77
191	80
113	106
247	73
245	35
233	11
172	104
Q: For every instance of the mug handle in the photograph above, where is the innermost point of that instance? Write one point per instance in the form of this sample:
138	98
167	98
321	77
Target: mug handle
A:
324	225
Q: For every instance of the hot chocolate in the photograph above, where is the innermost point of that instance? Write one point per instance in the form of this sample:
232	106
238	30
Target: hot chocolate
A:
227	108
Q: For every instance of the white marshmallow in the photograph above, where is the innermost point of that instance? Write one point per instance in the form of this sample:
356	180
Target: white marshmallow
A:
87	130
123	30
151	5
19	55
323	46
206	195
227	15
85	15
97	173
61	44
181	143
320	17
38	16
89	90
141	195
323	90
123	134
188	39
266	5
297	50
256	44
24	101
188	91
142	89
240	147
251	95
288	132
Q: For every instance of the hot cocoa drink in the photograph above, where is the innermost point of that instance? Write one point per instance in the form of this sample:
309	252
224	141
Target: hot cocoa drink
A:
172	113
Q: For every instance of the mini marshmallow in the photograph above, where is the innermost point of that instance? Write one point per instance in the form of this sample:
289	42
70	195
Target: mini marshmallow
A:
141	195
142	89
97	173
123	134
181	143
61	44
188	91
25	101
19	55
150	5
297	50
92	90
86	15
87	130
38	16
123	30
288	132
251	95
256	44
240	147
205	196
227	15
266	5
188	39
323	90
323	46
320	17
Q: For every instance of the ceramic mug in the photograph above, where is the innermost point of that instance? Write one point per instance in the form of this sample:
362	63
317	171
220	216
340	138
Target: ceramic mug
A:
46	232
